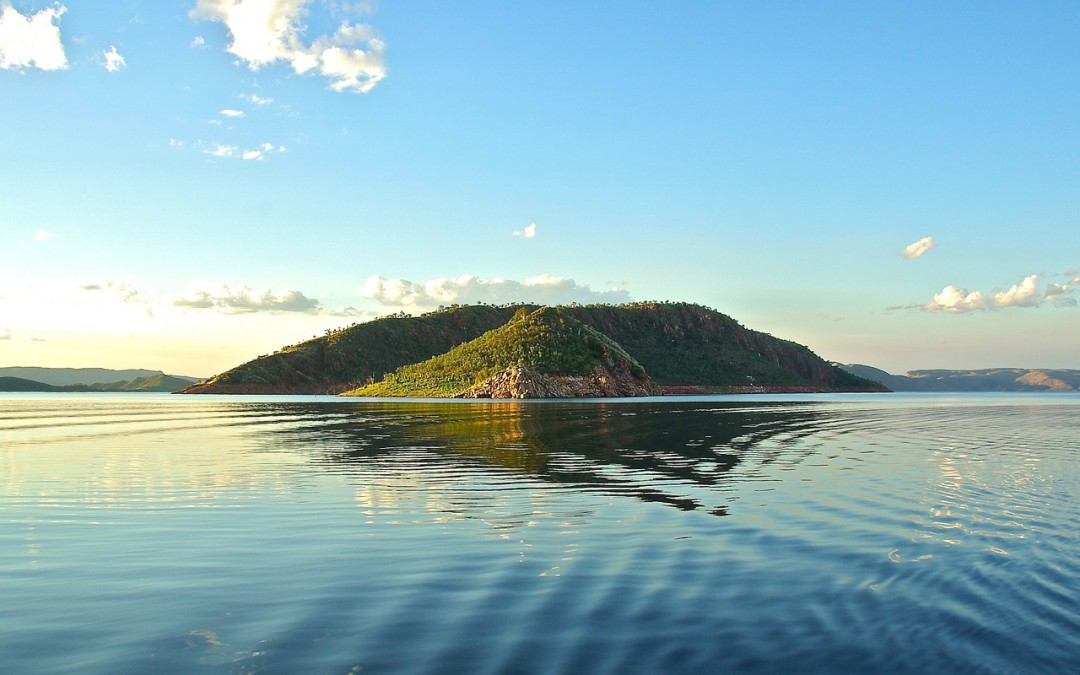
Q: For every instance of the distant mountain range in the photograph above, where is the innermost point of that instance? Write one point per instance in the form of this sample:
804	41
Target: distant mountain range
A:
683	348
29	378
987	379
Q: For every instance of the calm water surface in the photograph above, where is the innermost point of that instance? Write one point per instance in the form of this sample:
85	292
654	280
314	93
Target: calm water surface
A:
887	533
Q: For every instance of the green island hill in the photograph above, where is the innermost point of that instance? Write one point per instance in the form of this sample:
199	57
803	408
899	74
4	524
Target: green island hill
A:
684	348
545	353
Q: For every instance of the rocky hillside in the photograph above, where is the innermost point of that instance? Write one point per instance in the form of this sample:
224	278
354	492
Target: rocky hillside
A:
545	353
681	346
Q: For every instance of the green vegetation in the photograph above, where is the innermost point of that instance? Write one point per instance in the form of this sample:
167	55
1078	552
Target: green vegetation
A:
678	344
547	340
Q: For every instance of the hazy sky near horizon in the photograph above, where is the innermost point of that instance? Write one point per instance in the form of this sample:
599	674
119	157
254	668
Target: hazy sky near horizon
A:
188	184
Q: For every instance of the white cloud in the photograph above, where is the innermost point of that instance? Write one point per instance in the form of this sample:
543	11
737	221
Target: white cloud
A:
113	61
121	288
955	300
199	41
7	334
231	112
175	143
544	289
916	249
1023	294
231	151
265	32
31	40
222	150
258	100
41	235
528	233
245	300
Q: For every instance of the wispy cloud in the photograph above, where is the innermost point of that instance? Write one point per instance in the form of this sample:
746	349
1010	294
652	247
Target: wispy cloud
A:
41	235
545	289
121	288
219	150
199	42
271	31
31	40
954	300
918	248
258	100
528	232
113	61
248	154
232	112
245	300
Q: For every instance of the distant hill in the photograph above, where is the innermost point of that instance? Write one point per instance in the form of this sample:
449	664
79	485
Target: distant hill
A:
541	354
20	384
987	379
155	381
683	347
61	377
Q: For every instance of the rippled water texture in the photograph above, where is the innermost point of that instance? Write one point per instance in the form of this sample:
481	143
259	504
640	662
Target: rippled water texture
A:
882	533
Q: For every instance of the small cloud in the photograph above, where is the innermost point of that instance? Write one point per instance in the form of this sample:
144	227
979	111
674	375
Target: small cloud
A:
955	300
41	235
198	42
7	334
527	233
31	40
113	61
173	143
545	289
245	300
350	312
258	100
230	112
220	150
271	31
121	288
918	248
263	151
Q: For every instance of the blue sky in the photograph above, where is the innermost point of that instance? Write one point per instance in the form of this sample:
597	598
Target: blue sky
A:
189	184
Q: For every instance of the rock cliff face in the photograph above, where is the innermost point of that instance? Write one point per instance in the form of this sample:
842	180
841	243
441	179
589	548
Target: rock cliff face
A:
524	382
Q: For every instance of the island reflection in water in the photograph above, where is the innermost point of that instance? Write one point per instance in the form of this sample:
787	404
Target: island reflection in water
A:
682	455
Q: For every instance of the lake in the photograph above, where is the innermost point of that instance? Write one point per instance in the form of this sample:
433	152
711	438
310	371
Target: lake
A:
879	533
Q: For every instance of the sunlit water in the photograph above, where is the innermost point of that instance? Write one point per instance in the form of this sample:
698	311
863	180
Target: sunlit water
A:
885	533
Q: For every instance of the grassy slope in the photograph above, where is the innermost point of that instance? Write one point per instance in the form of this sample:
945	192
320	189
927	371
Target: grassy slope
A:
546	340
676	343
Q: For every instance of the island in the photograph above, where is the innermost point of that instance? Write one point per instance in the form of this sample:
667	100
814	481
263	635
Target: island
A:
533	351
